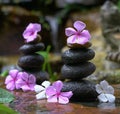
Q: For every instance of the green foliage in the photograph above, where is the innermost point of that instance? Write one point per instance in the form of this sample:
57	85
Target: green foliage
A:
5	96
46	66
118	4
4	74
6	110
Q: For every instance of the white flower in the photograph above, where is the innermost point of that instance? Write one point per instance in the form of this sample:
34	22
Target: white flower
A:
105	91
41	90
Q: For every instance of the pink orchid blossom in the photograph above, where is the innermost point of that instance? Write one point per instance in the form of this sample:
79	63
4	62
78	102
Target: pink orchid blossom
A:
11	79
30	33
26	82
78	35
54	93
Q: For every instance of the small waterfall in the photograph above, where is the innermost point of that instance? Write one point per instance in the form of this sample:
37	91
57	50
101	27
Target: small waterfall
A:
52	20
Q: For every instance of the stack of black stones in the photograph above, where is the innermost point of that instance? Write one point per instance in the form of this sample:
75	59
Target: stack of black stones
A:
76	69
31	62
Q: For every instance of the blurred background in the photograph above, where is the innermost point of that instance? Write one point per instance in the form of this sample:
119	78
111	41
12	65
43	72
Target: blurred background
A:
54	16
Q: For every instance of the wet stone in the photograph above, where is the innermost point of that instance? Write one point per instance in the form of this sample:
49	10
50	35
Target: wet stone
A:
82	90
74	46
31	48
75	56
76	72
31	62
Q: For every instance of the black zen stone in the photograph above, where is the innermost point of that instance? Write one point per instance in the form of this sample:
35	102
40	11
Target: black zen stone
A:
31	62
75	56
77	71
82	90
31	48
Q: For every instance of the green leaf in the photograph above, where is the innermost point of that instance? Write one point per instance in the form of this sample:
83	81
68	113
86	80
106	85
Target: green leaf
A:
5	73
43	53
5	96
6	110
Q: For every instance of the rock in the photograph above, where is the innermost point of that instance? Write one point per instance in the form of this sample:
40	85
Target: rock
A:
76	72
113	56
75	56
82	90
31	62
87	45
110	16
31	49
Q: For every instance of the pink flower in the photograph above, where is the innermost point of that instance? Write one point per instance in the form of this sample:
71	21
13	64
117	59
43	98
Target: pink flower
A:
11	79
30	33
26	82
77	35
54	93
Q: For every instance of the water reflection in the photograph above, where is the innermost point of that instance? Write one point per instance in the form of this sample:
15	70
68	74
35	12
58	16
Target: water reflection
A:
106	105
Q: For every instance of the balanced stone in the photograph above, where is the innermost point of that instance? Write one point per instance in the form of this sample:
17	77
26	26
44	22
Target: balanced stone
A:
31	62
31	49
79	71
82	90
75	56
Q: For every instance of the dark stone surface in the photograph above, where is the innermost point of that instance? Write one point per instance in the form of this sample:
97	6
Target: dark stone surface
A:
31	48
86	45
78	71
75	56
82	90
31	62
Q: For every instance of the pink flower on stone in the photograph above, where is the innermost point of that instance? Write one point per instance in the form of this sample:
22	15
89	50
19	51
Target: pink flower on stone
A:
11	79
78	35
26	82
30	33
54	93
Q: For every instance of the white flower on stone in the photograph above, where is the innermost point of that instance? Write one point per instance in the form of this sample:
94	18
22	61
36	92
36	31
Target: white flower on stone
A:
41	89
105	91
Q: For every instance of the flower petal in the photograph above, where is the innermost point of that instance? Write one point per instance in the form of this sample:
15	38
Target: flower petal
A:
110	90
67	94
71	39
52	99
41	95
25	88
31	86
50	91
46	84
24	76
19	83
104	84
8	79
13	73
38	88
98	89
58	85
63	100
110	97
86	34
102	98
81	40
70	31
37	27
10	86
79	25
31	79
